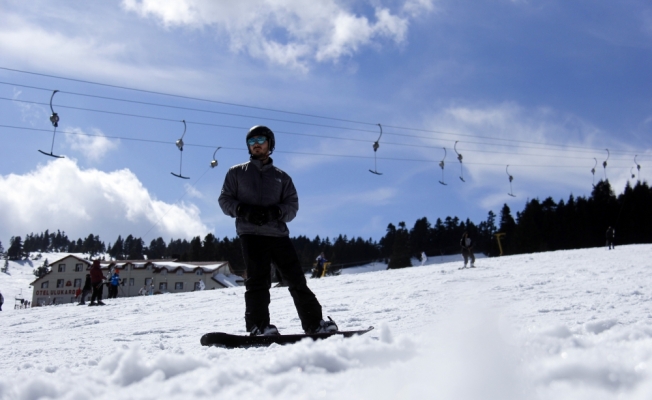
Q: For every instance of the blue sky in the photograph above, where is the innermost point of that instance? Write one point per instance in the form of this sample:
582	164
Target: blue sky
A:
544	87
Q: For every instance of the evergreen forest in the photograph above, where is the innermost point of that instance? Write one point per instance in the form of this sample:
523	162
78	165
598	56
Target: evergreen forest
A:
541	226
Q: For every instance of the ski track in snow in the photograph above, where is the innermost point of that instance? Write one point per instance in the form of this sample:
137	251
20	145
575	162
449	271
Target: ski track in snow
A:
560	325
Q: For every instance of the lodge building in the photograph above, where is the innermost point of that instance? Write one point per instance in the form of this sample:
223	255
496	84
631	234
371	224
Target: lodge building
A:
67	275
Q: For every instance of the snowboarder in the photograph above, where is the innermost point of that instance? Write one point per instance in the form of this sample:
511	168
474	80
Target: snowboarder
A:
467	249
611	234
97	280
202	285
424	258
86	290
262	199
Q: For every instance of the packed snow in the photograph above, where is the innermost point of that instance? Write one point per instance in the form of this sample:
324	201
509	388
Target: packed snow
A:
560	325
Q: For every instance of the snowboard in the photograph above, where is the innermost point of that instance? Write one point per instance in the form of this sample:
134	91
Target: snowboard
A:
229	341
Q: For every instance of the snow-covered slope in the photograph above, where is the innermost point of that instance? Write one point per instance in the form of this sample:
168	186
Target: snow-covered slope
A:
560	325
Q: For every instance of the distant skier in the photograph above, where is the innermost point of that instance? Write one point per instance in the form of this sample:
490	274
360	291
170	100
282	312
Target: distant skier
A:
202	285
97	280
610	235
318	272
114	281
467	249
86	290
262	199
424	258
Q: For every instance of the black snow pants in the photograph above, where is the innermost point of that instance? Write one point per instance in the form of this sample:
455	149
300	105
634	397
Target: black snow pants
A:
97	292
259	252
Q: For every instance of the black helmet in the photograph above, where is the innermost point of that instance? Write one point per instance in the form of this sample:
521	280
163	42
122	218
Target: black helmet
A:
260	130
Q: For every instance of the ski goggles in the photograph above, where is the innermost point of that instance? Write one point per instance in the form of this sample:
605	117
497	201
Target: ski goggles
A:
258	139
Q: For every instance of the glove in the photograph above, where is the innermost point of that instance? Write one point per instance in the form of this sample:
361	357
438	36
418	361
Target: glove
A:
266	214
254	214
243	210
274	212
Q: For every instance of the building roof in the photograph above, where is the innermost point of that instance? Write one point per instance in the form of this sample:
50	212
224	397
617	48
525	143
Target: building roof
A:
168	265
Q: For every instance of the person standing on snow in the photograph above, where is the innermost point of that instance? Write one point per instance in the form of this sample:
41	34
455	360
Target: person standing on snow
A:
97	280
262	199
86	290
319	268
467	249
610	235
424	258
114	281
202	285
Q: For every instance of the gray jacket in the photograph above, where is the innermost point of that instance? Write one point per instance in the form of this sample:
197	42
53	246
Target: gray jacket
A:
259	184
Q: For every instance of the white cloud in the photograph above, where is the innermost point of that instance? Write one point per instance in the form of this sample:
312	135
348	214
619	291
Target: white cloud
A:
60	195
93	147
286	32
566	167
119	56
30	113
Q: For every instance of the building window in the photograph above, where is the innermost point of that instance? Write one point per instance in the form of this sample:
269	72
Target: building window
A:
196	285
163	286
132	282
79	267
148	281
178	286
45	285
62	267
78	282
59	283
179	272
199	272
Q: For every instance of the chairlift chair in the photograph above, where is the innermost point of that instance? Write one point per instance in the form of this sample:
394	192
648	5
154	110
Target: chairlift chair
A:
511	178
376	145
179	144
214	162
54	119
441	165
459	157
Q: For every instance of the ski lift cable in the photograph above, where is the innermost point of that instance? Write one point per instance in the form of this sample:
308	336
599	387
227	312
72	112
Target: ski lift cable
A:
167	142
185	97
300	134
299	122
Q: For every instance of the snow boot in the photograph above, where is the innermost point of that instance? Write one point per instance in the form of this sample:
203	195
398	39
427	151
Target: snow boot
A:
325	327
269	330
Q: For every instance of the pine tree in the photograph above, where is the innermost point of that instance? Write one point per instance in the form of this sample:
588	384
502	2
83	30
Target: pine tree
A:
117	250
15	250
43	269
400	257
